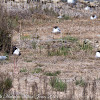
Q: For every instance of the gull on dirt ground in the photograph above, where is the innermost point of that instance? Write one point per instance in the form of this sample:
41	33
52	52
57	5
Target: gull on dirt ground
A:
16	53
3	57
97	54
87	8
93	17
56	29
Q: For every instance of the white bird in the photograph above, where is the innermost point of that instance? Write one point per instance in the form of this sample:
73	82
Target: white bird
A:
87	8
97	54
3	57
16	53
56	29
71	1
59	17
93	17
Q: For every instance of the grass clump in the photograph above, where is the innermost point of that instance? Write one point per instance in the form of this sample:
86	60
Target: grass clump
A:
23	70
26	37
70	39
5	84
52	73
86	46
50	12
66	17
58	84
80	82
37	70
34	45
60	51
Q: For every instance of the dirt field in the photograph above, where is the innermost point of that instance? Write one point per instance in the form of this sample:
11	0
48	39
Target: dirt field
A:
76	65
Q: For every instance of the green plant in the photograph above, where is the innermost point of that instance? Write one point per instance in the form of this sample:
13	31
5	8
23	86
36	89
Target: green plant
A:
37	70
80	82
86	46
58	84
50	12
66	17
34	45
26	37
70	39
28	60
23	70
59	51
52	73
5	85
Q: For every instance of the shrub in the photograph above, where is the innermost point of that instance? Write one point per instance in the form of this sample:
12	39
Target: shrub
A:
6	26
58	84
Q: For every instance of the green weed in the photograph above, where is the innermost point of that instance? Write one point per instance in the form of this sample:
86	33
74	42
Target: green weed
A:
66	17
70	39
52	73
23	70
37	70
60	51
81	82
58	84
85	47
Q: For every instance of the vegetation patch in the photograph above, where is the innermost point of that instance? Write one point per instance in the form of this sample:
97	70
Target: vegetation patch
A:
5	84
80	82
86	46
70	39
34	45
23	70
66	17
59	51
26	37
58	84
50	12
37	70
52	73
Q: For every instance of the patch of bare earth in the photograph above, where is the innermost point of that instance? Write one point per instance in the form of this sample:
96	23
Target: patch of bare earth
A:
80	65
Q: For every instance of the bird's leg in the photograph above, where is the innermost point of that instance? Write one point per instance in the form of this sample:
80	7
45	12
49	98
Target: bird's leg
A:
14	65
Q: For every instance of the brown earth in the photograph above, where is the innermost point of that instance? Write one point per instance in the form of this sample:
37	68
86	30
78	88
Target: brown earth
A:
82	64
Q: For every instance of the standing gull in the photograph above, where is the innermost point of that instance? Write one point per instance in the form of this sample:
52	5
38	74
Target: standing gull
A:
16	53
